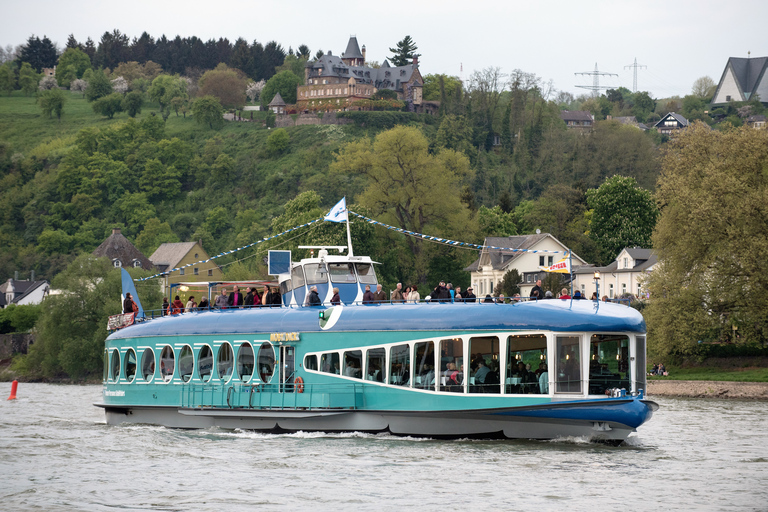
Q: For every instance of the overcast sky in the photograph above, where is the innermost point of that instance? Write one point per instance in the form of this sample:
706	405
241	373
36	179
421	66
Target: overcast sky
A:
678	40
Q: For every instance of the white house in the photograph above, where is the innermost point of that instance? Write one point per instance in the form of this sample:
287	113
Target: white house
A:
626	274
23	293
499	256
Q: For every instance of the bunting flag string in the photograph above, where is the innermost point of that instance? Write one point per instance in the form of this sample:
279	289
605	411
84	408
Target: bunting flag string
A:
227	253
447	241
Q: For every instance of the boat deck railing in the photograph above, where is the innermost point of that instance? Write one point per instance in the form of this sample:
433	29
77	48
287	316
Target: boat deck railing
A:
260	396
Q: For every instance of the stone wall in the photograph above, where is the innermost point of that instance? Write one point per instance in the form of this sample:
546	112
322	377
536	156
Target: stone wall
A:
14	344
285	121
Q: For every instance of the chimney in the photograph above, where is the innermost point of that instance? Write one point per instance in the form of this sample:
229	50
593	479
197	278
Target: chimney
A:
15	275
115	231
32	275
415	60
363	55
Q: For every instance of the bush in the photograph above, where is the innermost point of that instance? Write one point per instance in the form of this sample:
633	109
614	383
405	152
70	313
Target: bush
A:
133	102
109	105
385	120
278	141
18	318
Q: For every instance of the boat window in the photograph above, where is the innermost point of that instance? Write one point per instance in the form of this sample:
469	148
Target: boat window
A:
297	276
608	363
205	363
568	365
286	286
114	368
527	364
148	364
314	274
342	272
130	365
186	363
106	365
375	365
400	365
167	360
329	363
452	365
484	368
424	365
266	359
245	362
225	361
366	272
353	364
639	368
310	363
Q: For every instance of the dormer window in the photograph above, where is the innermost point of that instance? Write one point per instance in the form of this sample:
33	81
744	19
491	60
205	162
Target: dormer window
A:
117	263
136	263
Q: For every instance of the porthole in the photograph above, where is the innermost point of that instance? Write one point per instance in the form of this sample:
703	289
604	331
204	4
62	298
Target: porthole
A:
205	363
266	362
186	363
130	365
225	362
245	362
114	367
148	364
167	361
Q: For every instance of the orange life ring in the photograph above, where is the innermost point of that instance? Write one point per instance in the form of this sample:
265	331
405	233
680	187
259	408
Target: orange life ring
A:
299	382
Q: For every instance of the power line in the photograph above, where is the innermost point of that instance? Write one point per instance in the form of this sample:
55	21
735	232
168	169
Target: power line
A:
595	87
635	65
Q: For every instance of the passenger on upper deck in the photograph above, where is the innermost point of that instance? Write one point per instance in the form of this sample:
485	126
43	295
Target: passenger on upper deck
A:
314	298
129	306
221	301
414	296
367	296
441	293
335	300
203	303
165	306
470	295
177	306
397	295
248	300
191	304
577	295
564	294
537	293
457	296
379	295
235	298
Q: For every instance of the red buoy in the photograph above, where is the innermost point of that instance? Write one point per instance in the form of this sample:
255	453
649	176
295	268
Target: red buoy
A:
14	386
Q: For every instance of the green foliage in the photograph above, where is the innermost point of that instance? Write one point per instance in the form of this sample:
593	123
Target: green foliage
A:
403	52
208	110
226	84
710	281
384	120
285	82
14	318
509	284
73	63
7	78
28	78
439	87
384	94
153	235
278	141
494	222
52	102
132	103
624	215
164	89
108	105
294	64
455	133
99	85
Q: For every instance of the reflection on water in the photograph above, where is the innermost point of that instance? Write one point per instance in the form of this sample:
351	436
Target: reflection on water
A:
57	453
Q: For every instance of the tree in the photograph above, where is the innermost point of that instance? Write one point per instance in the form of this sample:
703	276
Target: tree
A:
28	78
285	82
78	85
411	189
208	110
154	234
494	222
98	85
47	83
226	84
403	52
7	78
253	90
711	278
72	61
437	87
278	141
163	89
133	102
509	284
704	88
52	102
109	105
296	65
623	215
39	53
120	85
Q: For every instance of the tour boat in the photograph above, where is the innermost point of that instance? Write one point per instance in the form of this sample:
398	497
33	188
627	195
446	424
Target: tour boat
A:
534	369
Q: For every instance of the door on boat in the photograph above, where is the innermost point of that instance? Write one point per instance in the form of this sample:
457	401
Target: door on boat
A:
287	358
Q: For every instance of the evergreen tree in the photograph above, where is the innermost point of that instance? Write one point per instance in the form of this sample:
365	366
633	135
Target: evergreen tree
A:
403	52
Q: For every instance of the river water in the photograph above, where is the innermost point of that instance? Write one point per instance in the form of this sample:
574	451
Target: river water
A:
57	453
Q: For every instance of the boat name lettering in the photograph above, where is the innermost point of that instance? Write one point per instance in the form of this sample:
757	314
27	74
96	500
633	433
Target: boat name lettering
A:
284	336
113	393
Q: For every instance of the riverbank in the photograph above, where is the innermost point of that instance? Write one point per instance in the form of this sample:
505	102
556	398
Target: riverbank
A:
708	389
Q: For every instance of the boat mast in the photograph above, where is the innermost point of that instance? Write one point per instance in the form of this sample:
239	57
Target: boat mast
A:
349	238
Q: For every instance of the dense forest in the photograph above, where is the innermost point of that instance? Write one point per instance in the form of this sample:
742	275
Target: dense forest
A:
138	141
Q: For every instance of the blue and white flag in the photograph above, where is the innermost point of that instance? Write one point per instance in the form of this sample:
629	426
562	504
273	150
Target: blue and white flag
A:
339	212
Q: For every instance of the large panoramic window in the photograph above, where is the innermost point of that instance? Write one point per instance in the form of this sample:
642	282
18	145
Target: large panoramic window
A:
130	365
424	365
452	365
608	363
367	273
186	363
297	277
225	362
342	272
527	370
266	361
310	362
484	365
114	368
205	363
245	362
376	364
329	363
315	273
400	365
568	378
148	364
167	360
353	364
